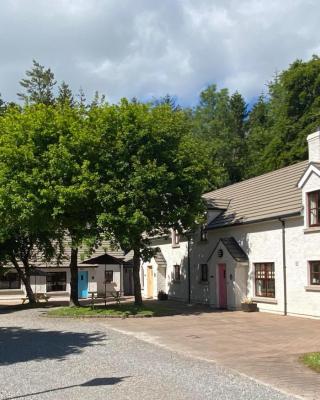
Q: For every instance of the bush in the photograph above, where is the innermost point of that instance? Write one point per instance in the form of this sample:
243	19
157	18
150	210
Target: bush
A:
162	295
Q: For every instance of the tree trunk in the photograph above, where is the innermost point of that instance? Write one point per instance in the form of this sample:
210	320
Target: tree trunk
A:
25	277
136	277
74	301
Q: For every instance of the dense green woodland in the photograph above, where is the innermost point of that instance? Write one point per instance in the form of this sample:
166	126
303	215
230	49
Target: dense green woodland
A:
93	170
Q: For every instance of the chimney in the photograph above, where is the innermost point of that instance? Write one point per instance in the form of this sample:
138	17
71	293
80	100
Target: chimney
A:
314	146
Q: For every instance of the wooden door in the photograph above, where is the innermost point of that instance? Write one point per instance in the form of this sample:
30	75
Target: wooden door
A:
222	286
149	282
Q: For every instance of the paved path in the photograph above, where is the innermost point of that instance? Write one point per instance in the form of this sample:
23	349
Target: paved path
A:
43	358
261	345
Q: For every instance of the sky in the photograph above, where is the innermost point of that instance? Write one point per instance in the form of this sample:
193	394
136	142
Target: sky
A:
148	48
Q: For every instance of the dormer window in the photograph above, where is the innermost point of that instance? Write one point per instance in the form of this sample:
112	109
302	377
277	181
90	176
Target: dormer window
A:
314	208
175	238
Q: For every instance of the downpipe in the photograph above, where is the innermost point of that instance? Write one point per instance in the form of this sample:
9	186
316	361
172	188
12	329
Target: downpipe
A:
284	266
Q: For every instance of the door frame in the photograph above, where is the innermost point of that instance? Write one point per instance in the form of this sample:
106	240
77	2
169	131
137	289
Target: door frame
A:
222	286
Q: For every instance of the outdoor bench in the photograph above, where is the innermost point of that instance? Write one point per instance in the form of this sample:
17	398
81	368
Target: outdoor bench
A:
38	297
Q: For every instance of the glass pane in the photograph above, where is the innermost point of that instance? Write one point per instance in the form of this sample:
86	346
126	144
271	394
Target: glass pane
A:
313	206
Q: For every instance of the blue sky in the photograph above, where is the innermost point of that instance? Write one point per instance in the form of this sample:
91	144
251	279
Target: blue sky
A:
147	48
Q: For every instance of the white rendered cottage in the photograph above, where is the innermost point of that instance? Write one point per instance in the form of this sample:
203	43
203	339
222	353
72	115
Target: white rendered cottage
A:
261	240
107	270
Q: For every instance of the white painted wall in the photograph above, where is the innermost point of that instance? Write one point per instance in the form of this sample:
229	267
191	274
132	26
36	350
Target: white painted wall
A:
100	278
38	283
262	242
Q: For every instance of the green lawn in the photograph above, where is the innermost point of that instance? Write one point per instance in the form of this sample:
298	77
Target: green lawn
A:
122	310
312	360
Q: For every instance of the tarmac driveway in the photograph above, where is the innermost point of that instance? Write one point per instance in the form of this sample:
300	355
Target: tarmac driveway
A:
42	358
261	345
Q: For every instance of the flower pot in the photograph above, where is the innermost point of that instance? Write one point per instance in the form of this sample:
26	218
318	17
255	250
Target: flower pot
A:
249	307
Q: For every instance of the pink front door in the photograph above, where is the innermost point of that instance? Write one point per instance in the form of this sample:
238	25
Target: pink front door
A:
222	286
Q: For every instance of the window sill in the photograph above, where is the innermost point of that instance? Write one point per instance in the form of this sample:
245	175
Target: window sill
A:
312	229
312	288
267	300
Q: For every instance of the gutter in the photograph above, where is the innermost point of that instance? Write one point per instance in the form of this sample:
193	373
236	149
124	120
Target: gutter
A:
284	266
256	221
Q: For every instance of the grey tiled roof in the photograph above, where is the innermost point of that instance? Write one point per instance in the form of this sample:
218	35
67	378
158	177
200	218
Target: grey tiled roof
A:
105	247
159	259
234	249
266	196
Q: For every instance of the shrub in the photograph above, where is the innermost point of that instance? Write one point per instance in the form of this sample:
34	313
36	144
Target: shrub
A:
162	295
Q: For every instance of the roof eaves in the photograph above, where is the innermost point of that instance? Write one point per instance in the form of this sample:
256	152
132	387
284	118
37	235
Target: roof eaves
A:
274	217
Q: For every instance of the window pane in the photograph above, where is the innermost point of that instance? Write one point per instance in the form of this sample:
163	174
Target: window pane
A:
56	281
109	276
314	206
204	272
315	272
264	280
10	281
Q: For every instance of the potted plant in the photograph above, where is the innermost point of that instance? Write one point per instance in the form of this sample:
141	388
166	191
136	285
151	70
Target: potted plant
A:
248	305
162	295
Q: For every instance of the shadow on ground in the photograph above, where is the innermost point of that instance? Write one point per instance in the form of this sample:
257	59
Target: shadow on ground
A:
20	345
165	308
93	383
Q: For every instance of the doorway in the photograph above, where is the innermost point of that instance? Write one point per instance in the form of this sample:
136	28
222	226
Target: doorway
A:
128	281
83	284
222	286
149	281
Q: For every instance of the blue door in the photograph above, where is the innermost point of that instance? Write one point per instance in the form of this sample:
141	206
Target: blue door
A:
83	284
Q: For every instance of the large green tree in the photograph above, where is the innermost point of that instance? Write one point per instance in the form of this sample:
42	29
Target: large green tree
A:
28	231
156	176
72	174
219	121
279	125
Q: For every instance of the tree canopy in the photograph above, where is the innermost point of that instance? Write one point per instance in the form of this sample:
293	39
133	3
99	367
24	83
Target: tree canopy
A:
69	167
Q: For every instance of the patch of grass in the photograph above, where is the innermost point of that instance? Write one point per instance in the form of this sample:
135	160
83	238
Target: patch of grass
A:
113	310
311	360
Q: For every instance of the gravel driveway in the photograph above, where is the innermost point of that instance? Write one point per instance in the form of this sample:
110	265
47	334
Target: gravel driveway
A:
42	358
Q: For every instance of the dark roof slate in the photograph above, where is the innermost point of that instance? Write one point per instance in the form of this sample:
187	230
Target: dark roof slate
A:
234	249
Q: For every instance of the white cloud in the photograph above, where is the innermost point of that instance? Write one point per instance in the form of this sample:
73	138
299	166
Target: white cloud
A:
147	48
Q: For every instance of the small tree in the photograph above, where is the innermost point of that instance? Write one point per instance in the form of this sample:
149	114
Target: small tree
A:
38	85
158	176
65	95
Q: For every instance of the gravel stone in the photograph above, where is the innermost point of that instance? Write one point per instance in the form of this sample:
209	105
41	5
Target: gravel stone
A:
72	359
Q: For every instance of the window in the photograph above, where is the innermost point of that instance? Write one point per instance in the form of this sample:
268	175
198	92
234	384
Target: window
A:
177	275
109	276
203	233
10	281
314	208
264	280
314	272
204	272
175	238
56	281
